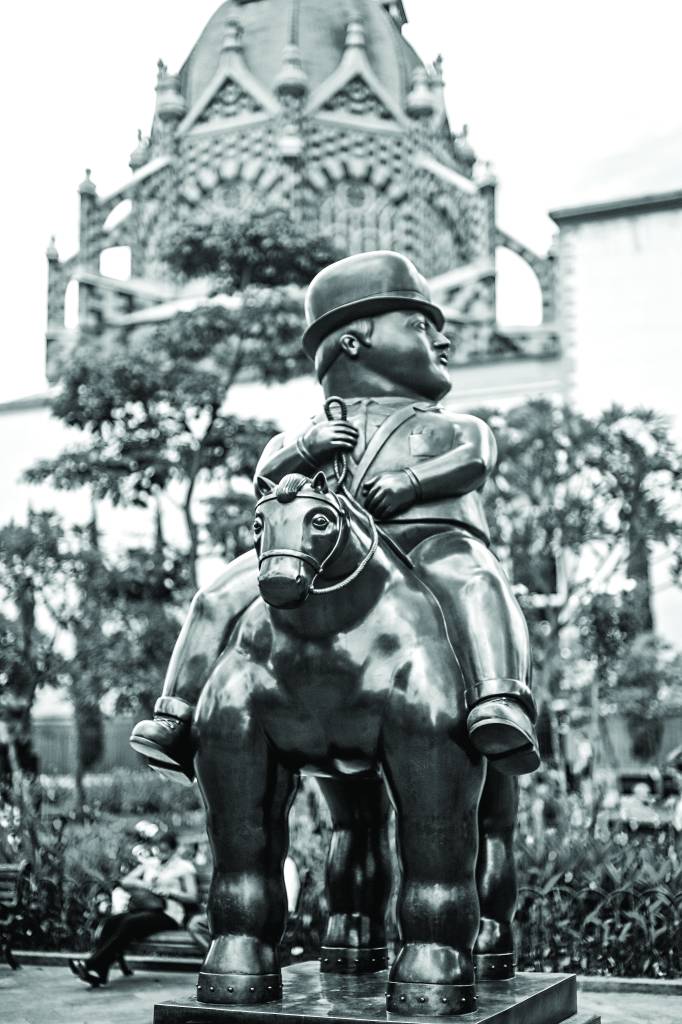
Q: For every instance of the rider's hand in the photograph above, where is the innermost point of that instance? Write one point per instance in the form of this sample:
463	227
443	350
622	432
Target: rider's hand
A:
389	493
329	438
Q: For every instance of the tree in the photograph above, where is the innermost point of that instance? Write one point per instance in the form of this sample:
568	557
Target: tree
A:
152	402
30	556
576	505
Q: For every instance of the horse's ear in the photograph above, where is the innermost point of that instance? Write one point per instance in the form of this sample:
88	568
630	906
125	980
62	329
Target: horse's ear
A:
319	483
264	486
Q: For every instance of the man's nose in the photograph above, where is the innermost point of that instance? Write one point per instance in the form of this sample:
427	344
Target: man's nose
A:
441	341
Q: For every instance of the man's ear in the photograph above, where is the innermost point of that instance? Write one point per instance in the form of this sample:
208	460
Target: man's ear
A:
350	344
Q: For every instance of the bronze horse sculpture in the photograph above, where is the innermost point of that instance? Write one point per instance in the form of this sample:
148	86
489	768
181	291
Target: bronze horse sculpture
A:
343	669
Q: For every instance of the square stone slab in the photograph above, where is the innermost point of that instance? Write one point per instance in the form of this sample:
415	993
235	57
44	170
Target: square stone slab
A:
310	997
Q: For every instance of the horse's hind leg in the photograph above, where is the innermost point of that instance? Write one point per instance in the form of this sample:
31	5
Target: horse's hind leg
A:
247	795
358	875
496	877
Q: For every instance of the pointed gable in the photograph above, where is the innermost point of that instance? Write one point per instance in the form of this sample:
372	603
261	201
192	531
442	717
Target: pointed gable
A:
229	101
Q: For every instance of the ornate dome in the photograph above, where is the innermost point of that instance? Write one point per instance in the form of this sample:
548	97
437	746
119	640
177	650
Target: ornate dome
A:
319	30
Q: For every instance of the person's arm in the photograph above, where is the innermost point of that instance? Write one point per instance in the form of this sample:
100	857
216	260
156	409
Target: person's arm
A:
319	443
187	892
132	882
459	471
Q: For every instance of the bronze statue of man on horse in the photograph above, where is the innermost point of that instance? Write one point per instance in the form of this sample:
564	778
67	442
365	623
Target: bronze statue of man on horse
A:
386	655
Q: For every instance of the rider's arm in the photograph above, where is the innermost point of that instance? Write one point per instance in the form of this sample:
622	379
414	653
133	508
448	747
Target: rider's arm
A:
318	444
461	470
280	458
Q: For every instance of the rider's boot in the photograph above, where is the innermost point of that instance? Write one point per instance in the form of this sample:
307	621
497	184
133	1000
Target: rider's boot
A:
165	740
502	728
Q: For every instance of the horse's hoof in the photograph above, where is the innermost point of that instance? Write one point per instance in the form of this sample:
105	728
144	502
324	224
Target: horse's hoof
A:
409	998
349	960
501	729
494	966
238	988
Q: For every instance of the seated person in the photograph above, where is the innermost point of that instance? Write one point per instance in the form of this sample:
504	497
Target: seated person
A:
161	888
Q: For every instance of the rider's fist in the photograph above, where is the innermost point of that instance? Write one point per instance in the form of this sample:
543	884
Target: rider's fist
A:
389	493
329	438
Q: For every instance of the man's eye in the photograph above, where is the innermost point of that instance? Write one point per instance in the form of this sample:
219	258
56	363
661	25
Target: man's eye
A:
421	325
320	522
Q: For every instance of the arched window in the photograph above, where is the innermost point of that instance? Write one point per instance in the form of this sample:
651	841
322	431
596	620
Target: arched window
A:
519	296
71	296
116	262
117	215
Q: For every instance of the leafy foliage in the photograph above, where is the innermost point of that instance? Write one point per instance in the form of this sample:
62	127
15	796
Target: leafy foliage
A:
265	247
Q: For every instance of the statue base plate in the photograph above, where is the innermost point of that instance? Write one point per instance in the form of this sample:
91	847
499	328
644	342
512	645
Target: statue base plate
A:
318	998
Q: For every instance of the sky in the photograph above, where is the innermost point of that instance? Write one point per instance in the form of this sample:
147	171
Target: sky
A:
571	101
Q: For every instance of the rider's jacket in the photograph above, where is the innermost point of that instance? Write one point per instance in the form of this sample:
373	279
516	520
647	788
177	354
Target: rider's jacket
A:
445	451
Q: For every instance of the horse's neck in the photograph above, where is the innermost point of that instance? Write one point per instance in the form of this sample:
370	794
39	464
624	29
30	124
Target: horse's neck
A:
330	612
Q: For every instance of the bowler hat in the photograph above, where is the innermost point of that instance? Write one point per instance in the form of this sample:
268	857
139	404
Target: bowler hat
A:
366	284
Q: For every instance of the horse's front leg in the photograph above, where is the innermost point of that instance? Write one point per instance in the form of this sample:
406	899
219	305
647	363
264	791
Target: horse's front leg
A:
496	876
247	794
358	875
435	779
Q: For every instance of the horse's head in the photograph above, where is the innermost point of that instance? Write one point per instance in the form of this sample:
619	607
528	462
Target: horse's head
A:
300	526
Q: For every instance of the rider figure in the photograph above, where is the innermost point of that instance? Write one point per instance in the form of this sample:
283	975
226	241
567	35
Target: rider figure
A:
375	338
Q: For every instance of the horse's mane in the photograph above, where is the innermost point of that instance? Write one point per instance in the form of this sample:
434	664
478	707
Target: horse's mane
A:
289	486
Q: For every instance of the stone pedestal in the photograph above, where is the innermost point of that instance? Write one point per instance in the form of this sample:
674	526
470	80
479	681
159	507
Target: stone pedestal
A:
317	998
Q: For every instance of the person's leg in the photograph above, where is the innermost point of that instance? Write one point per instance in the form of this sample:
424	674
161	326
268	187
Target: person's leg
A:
165	740
124	929
489	634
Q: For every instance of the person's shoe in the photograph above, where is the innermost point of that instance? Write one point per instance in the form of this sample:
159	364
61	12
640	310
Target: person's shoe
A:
89	976
164	741
500	728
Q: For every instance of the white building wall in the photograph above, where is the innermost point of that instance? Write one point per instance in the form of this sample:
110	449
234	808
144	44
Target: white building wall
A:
620	300
621	310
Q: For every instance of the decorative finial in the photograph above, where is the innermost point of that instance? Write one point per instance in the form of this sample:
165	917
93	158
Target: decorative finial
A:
420	99
464	151
355	34
233	36
51	251
87	187
292	79
438	70
140	154
161	70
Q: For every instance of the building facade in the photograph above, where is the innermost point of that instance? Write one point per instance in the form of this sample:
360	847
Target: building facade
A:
326	110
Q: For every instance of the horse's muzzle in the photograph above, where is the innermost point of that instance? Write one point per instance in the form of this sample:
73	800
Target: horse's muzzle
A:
283	590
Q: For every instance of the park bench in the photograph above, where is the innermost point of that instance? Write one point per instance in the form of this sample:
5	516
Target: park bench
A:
14	881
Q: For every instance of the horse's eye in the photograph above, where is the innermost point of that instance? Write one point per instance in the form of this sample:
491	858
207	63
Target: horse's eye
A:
257	526
320	522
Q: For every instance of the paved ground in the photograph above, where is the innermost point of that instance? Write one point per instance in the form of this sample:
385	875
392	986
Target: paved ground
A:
51	995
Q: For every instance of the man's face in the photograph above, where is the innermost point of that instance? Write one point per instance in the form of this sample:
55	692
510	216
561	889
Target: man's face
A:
164	852
407	350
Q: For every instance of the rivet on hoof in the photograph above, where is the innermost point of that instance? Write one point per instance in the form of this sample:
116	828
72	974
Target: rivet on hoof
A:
444	1000
211	988
422	999
339	961
403	998
230	988
326	959
199	987
357	961
253	988
269	988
